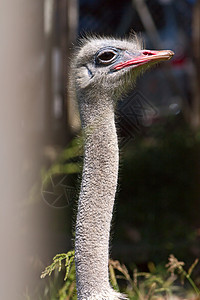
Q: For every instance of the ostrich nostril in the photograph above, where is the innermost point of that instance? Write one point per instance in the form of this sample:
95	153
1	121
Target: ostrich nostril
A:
147	53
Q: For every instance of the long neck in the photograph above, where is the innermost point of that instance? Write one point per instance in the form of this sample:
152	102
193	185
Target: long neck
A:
95	206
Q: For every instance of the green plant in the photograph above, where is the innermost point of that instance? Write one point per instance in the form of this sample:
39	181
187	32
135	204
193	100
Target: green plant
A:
68	290
57	264
158	283
154	284
174	265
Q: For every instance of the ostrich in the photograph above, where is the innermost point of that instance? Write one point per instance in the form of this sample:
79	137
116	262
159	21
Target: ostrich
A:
102	70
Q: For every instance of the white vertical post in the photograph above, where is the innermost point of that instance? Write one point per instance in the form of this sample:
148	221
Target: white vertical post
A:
21	130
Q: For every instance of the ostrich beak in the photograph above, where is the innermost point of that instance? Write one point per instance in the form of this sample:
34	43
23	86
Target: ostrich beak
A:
144	57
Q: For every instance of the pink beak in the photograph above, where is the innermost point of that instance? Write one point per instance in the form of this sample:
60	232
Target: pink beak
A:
146	56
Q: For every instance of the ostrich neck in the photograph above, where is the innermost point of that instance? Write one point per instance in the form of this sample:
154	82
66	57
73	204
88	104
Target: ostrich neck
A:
95	206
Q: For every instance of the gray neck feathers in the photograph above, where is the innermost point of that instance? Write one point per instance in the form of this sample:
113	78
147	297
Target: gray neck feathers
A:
95	206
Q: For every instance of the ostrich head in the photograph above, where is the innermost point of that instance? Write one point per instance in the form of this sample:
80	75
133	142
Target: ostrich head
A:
109	67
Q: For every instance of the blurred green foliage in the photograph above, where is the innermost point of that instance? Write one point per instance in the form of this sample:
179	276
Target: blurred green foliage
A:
156	283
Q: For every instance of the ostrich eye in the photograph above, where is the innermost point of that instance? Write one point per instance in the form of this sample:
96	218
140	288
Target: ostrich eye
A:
106	57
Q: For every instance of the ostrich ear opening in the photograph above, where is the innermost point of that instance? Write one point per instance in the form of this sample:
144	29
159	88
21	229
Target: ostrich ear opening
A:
85	76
